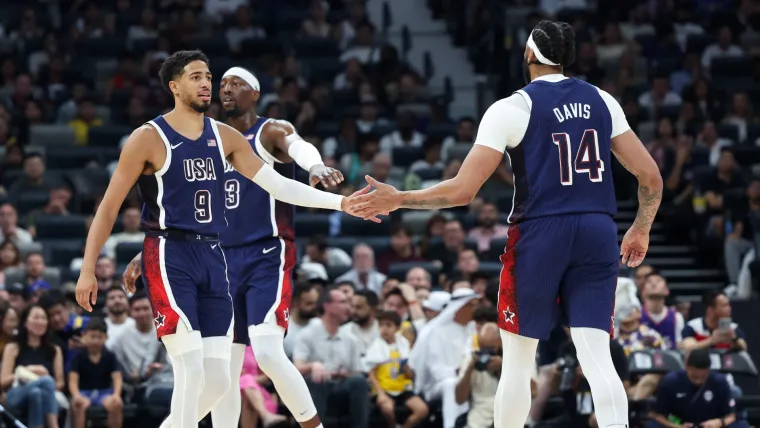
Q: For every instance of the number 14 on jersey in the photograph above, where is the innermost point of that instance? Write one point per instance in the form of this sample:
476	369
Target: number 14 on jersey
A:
587	159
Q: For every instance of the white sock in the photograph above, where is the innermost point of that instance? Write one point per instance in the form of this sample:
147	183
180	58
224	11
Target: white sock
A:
266	341
226	412
512	401
607	391
188	383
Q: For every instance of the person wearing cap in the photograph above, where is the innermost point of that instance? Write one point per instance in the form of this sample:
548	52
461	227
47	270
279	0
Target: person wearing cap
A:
431	307
695	397
18	296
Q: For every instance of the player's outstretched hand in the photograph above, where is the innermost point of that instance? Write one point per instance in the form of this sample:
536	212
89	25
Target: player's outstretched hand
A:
329	177
634	247
383	200
349	205
131	273
87	290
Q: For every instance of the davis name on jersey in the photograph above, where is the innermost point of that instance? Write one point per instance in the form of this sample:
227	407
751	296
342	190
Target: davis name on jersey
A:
200	169
572	111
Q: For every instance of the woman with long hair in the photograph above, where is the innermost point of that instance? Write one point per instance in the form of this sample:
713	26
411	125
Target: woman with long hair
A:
10	257
8	324
32	370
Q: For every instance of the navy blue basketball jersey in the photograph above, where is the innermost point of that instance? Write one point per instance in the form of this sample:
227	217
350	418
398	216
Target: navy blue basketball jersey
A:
252	213
562	165
187	193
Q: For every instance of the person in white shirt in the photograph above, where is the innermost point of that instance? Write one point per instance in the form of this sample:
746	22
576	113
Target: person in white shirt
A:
363	324
434	363
723	48
364	275
9	229
118	319
404	136
478	377
130	219
137	344
303	310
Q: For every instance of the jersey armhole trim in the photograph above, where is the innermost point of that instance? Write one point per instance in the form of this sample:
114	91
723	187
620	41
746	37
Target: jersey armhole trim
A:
218	136
263	153
167	147
527	99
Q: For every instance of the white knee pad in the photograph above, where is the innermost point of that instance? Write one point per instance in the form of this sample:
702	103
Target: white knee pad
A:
217	347
183	341
267	343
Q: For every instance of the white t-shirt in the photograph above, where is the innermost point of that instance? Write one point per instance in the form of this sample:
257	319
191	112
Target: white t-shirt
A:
504	124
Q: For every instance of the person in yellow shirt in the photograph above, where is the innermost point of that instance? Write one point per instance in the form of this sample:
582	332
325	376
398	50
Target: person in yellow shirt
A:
390	375
86	118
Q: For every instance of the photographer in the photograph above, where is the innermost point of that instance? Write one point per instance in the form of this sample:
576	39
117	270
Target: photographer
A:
575	390
479	377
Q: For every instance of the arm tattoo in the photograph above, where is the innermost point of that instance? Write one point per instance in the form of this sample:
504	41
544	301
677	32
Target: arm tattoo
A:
427	204
649	202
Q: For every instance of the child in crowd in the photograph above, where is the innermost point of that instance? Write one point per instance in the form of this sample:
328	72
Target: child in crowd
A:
390	375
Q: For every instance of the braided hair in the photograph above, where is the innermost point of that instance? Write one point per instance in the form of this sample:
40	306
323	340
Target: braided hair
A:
556	41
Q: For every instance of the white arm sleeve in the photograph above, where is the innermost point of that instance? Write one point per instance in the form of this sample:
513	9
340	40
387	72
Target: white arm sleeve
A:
293	192
303	153
619	122
504	124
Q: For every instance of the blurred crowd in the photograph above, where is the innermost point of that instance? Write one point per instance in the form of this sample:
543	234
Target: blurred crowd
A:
392	323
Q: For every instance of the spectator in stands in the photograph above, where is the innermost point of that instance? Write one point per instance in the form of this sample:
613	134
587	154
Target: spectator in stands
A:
86	118
32	371
488	227
218	9
640	275
478	377
709	139
586	64
363	46
317	251
369	110
727	176
632	334
468	265
94	378
34	267
105	269
18	296
363	325
660	95
137	343
258	403
243	29
401	249
381	167
158	377
8	324
316	24
58	205
656	315
715	329
146	29
741	239
303	309
419	278
330	358
355	165
363	274
131	234
723	48
695	396
346	29
9	229
437	353
465	134
334	147
391	377
662	147
33	179
117	310
10	257
741	114
65	326
404	136
447	252
431	157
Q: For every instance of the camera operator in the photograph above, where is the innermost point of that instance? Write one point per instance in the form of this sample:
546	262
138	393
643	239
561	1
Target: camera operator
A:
479	377
574	388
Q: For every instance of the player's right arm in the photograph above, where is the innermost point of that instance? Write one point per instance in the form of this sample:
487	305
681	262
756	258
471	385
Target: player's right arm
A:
240	154
141	147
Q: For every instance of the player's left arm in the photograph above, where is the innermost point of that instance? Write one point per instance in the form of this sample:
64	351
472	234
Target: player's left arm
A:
281	139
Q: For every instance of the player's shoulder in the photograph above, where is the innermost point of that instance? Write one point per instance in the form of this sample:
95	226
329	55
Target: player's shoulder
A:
278	125
519	100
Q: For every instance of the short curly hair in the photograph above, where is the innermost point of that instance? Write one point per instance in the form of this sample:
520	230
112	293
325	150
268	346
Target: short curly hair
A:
175	64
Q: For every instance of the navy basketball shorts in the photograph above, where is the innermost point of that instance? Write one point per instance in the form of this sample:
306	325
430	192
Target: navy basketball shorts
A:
187	283
261	284
559	269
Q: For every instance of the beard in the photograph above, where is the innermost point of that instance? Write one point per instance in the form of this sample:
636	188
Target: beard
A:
361	320
234	112
488	223
526	72
117	311
307	315
200	106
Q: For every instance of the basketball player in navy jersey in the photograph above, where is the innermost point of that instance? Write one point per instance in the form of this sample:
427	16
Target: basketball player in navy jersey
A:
178	161
558	133
259	246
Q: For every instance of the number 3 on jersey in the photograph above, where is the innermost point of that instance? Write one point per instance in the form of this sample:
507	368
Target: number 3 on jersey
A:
587	159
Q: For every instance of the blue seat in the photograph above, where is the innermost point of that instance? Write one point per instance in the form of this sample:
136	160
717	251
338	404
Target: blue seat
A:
60	226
